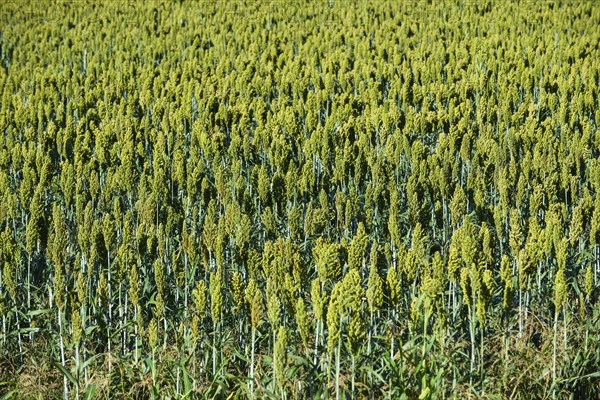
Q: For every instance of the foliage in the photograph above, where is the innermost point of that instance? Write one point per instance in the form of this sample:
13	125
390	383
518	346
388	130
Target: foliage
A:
265	200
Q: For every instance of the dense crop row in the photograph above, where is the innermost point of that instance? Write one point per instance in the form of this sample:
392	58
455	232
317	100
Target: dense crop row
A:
264	199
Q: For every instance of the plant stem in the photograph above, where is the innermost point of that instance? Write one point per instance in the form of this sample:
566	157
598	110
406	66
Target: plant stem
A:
337	369
62	354
252	364
554	356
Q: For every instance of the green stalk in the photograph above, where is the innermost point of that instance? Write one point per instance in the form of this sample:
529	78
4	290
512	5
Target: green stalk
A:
565	327
109	317
337	367
121	314
316	342
554	356
481	365
353	374
252	364
126	313
62	355
136	336
370	333
520	315
214	349
472	334
393	333
77	369
29	291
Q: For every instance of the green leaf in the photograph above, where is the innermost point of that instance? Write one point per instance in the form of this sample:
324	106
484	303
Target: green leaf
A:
582	377
65	372
24	330
10	395
187	384
87	362
90	391
33	313
425	393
